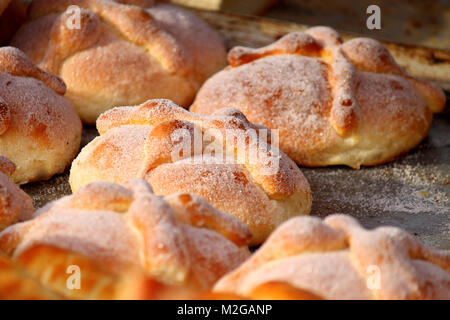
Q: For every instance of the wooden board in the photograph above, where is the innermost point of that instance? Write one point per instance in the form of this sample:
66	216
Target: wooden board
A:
419	22
427	63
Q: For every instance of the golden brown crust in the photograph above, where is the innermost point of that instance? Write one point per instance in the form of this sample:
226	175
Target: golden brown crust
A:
281	291
49	272
135	229
53	267
39	129
44	272
157	51
16	63
133	23
266	291
333	102
15	205
338	259
17	284
137	285
140	142
7	167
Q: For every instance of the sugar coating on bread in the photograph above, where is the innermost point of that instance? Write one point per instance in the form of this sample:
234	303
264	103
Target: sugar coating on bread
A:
334	102
179	239
338	259
15	205
249	178
39	129
122	52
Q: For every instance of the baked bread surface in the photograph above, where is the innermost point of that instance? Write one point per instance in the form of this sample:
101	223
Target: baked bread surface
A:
47	272
334	102
142	142
44	272
39	128
123	53
179	239
338	259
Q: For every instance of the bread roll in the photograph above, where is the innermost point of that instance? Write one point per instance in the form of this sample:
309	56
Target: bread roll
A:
47	272
338	259
334	102
223	158
39	129
179	239
122	53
